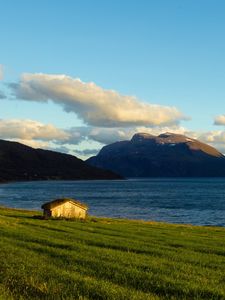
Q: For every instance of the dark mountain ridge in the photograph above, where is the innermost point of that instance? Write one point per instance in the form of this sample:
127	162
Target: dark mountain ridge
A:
20	163
166	155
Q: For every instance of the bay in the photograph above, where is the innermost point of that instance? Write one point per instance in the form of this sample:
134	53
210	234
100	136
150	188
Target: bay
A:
197	201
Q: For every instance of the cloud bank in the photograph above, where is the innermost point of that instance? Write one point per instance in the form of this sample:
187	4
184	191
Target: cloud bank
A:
29	130
93	104
103	136
110	135
47	136
87	152
219	120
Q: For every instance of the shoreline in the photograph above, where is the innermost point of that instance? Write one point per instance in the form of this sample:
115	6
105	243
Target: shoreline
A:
198	202
102	218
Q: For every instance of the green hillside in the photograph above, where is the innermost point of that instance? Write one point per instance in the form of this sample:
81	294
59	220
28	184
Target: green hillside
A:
108	259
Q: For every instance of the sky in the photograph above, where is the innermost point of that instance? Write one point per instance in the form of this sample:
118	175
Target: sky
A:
76	75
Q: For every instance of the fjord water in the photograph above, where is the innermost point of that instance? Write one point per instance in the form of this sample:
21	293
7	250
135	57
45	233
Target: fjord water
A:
198	201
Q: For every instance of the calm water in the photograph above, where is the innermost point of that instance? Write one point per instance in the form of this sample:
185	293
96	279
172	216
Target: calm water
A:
199	201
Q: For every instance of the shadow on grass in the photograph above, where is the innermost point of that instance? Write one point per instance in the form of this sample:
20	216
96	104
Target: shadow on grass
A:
36	217
41	217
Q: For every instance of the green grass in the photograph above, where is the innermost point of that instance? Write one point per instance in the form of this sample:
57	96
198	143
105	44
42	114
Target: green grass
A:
108	259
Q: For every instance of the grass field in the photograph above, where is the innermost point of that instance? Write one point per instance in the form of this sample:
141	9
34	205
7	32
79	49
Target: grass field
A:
108	259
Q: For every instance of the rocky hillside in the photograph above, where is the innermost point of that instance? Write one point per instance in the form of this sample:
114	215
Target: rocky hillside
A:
20	162
166	155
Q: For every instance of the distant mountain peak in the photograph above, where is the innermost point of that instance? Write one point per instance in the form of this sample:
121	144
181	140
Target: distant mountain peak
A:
142	136
166	134
163	138
169	137
167	154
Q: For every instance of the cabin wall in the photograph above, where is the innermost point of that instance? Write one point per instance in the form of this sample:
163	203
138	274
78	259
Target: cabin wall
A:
68	210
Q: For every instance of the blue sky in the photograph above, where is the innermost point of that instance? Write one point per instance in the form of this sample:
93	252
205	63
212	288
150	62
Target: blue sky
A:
169	53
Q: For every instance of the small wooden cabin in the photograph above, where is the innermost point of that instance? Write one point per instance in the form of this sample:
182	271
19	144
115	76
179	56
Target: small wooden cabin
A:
66	208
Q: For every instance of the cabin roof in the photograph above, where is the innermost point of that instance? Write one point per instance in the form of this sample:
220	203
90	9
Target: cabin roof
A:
57	202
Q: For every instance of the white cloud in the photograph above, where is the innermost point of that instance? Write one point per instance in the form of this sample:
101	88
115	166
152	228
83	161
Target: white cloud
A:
92	104
1	72
219	120
32	143
86	152
30	130
111	135
104	136
214	136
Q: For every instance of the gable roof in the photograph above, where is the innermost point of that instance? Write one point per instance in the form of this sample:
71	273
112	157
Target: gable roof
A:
60	201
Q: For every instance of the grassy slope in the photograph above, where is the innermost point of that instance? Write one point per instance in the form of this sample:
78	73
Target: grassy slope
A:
108	259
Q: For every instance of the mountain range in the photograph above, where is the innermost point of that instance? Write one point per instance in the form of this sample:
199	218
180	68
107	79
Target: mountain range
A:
20	163
145	155
166	155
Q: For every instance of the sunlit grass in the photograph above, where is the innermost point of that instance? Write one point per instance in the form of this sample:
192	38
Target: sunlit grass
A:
108	259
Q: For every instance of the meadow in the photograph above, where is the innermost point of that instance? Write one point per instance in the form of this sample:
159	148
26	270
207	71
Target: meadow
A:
108	259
